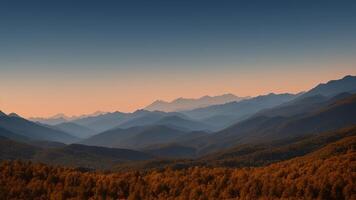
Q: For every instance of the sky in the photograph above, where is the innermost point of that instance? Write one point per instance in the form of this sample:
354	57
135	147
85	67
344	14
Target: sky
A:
78	57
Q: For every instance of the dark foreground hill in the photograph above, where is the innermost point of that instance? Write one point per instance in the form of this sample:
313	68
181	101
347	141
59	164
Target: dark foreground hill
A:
89	156
74	155
323	174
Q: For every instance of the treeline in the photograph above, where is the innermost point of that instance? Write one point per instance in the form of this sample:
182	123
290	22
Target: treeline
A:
310	177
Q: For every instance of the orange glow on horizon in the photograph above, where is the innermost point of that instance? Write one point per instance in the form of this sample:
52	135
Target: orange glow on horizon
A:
36	98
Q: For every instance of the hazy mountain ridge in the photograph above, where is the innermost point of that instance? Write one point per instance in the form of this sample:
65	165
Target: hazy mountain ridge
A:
137	137
182	104
172	119
233	112
33	131
183	124
75	129
62	118
115	120
144	118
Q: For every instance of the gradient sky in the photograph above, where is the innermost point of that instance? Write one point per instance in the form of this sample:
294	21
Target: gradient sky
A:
77	57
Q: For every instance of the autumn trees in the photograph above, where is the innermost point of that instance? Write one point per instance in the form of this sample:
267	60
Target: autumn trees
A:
301	178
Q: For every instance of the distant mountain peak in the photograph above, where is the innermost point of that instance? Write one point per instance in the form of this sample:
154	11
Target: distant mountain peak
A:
140	111
205	97
14	115
348	77
160	101
2	114
59	115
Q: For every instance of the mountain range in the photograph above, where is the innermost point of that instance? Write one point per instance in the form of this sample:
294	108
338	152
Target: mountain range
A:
215	133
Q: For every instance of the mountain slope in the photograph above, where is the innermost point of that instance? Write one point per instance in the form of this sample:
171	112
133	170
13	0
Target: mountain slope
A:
173	120
12	150
181	104
144	118
333	116
152	135
265	153
136	137
114	120
75	130
34	131
171	151
248	155
102	122
183	123
11	135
